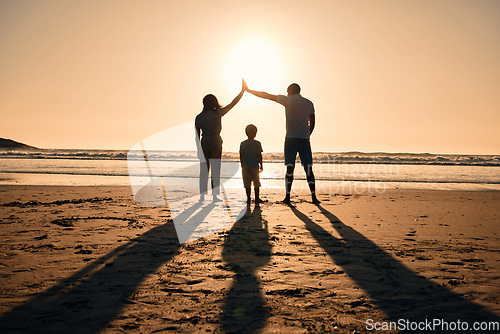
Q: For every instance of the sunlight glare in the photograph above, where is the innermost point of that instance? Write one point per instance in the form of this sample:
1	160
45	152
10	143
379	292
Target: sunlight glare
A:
258	63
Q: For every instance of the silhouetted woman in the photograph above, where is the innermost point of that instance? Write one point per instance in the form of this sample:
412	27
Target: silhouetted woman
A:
208	124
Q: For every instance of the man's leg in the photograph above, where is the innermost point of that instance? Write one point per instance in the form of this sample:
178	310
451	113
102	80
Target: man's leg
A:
291	149
312	183
305	154
288	182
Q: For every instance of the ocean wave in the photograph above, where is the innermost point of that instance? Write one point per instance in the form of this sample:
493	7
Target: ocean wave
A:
320	157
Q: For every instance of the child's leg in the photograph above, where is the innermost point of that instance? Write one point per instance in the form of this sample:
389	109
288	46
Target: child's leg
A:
257	197
247	181
256	185
257	191
248	191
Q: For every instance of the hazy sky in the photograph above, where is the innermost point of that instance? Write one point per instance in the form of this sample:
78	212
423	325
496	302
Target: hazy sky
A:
396	76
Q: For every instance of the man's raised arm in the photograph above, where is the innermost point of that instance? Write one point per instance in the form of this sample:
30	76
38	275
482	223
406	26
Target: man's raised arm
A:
263	95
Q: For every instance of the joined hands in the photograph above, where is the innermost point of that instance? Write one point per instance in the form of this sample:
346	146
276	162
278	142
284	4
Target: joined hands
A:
244	86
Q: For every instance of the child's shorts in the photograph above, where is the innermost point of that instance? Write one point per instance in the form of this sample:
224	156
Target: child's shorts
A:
250	175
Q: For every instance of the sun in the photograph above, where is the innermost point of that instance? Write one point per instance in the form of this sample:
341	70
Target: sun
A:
258	62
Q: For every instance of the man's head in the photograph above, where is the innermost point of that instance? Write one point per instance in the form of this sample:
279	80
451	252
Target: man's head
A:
251	131
293	89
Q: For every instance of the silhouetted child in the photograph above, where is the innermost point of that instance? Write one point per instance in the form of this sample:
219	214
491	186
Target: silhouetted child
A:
251	162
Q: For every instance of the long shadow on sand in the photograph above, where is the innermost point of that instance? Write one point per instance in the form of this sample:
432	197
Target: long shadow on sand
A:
88	300
398	291
246	249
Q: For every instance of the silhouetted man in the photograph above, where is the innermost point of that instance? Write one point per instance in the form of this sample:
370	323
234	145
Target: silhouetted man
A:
300	121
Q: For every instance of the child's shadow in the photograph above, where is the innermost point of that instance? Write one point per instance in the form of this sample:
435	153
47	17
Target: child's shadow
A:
246	249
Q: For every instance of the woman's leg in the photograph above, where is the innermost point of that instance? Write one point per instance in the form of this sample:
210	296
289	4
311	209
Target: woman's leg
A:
215	161
204	169
215	176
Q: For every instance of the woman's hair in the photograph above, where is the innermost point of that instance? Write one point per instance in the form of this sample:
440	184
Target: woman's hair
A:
210	103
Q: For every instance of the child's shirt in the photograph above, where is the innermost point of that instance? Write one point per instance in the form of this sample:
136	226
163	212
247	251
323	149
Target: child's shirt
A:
250	150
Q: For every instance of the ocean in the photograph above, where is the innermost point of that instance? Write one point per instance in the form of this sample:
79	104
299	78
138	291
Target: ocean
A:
335	171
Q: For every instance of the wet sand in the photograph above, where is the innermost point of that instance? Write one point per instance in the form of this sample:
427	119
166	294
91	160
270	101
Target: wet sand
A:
90	259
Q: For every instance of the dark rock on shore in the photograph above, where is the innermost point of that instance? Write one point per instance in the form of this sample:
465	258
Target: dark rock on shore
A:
8	144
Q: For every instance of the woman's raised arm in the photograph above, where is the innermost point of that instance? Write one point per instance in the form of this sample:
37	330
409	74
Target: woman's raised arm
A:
230	106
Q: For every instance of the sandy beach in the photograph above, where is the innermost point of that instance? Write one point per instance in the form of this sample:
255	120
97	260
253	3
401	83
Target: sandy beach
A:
89	259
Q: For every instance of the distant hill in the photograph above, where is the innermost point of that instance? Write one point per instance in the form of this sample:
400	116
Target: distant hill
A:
8	144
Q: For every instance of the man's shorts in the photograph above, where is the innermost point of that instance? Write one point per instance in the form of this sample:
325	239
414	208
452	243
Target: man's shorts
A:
250	175
301	146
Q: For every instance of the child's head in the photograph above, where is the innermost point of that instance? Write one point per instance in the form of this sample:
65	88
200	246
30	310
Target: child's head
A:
251	131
